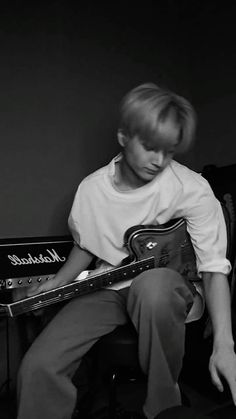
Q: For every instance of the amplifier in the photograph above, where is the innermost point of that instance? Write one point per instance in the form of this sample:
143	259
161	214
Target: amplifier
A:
26	261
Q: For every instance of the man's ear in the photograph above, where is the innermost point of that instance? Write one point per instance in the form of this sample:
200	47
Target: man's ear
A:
122	138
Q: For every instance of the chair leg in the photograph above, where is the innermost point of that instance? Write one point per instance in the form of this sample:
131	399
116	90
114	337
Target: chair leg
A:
112	395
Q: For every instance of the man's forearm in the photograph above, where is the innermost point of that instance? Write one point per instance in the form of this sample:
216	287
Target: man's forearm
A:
77	261
219	306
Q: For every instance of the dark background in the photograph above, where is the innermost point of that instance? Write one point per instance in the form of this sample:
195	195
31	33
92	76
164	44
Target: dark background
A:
64	68
63	71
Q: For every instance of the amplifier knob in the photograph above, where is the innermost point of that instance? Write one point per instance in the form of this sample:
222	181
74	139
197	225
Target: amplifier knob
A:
20	281
9	283
29	280
39	279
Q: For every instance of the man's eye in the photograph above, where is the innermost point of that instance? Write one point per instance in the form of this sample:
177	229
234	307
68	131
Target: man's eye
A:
148	147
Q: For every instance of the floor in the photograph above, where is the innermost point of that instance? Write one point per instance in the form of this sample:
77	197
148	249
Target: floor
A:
130	396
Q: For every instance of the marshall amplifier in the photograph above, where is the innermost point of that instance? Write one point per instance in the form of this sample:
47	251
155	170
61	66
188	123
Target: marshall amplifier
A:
24	262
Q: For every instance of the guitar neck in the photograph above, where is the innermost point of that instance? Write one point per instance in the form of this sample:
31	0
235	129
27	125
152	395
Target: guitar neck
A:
90	284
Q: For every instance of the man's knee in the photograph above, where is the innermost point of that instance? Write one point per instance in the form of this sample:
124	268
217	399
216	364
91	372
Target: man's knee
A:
155	283
160	289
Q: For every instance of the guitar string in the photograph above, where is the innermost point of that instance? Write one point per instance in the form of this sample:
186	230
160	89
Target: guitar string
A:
86	285
184	247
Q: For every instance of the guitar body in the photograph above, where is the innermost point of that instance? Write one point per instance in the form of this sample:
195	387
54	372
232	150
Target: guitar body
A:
166	245
169	243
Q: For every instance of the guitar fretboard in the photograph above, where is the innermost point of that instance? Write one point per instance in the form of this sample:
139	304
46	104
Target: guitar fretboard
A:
84	286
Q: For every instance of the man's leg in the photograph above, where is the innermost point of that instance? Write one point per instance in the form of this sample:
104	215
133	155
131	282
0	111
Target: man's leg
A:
45	388
158	304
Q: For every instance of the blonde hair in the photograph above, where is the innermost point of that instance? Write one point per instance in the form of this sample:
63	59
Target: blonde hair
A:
145	107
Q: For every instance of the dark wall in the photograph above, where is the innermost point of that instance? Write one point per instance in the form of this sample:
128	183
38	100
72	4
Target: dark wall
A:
63	72
212	65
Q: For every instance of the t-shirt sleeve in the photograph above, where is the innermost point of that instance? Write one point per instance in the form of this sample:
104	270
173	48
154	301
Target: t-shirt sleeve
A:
73	220
74	230
207	228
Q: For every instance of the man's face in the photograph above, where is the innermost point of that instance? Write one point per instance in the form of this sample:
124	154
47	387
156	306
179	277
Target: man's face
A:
148	159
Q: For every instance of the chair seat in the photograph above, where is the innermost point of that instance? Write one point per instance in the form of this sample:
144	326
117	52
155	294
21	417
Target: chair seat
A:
119	348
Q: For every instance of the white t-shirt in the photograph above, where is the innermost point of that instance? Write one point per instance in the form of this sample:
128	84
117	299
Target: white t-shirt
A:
101	214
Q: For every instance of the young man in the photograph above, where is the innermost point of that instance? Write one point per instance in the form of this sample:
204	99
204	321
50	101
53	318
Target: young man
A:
142	185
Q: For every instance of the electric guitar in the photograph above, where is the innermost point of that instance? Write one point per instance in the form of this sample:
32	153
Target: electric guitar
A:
166	245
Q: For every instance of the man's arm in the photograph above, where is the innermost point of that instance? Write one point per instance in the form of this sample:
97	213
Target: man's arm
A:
77	261
223	358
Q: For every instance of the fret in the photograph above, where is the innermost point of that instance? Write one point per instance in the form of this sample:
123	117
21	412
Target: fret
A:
81	287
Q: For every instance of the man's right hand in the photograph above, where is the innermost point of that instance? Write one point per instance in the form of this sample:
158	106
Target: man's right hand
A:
42	287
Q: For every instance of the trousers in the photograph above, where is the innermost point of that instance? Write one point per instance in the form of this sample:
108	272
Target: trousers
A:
157	302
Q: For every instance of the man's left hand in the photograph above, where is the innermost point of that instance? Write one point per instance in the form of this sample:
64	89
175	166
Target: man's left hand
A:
223	364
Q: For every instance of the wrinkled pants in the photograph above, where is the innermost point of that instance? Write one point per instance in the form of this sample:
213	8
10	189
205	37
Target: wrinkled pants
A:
157	302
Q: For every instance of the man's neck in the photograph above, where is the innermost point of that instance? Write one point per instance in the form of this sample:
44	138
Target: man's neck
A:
125	178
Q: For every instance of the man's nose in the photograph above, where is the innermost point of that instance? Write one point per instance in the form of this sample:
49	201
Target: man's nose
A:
158	159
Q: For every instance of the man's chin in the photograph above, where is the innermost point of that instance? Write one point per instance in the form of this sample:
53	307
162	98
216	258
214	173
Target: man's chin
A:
151	174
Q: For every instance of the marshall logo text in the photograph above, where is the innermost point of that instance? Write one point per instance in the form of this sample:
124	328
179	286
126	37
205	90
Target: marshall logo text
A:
51	256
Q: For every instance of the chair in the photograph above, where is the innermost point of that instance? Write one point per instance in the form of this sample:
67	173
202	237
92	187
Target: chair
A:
117	361
117	354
